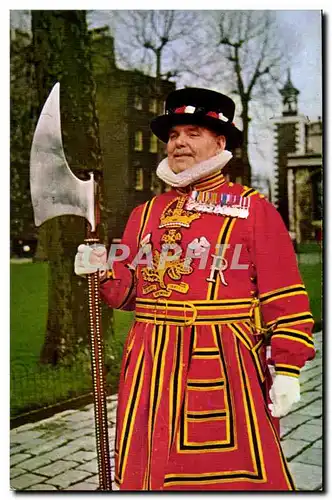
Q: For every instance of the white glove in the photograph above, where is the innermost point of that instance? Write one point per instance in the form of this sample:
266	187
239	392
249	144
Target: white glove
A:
90	258
285	392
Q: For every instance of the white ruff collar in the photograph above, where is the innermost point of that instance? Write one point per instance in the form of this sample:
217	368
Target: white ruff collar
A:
192	174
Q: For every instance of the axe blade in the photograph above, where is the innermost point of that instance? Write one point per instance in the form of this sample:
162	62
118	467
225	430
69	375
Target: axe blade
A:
55	190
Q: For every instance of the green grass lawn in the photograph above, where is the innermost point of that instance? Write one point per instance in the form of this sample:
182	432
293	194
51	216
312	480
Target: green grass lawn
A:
28	312
311	247
28	309
33	385
312	277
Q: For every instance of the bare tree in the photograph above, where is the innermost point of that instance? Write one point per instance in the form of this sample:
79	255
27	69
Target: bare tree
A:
262	182
244	53
61	51
154	41
22	122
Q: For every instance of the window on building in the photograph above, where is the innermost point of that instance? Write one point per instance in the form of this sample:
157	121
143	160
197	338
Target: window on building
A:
238	153
156	185
138	140
316	128
138	102
154	181
153	105
153	144
139	179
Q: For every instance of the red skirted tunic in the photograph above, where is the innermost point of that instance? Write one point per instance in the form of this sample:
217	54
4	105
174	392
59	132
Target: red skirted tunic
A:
193	394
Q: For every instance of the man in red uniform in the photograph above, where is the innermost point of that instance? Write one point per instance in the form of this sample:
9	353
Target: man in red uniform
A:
211	274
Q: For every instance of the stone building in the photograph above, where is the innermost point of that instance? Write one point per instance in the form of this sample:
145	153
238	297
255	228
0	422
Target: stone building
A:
126	103
305	187
297	192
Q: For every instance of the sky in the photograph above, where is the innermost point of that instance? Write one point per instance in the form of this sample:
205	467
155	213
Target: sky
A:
306	76
302	30
306	69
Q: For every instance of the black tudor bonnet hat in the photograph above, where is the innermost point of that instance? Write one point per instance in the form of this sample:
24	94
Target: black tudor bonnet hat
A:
202	107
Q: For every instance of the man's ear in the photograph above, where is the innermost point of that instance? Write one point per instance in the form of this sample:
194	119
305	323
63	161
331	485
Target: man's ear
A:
221	140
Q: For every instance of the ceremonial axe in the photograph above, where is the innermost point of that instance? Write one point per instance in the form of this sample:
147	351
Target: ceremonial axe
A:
56	191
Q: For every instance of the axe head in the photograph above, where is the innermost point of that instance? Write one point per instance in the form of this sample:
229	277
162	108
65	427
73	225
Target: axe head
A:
55	190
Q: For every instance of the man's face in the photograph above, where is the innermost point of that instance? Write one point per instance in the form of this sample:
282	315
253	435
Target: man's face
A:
191	144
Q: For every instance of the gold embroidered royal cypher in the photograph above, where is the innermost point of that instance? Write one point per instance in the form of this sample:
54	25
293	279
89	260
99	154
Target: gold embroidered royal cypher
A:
171	236
174	269
177	216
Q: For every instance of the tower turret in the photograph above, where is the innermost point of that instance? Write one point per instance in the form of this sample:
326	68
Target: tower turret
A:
289	94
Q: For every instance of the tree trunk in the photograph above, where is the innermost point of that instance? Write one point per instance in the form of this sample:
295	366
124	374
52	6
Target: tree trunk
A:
62	53
159	186
244	150
22	101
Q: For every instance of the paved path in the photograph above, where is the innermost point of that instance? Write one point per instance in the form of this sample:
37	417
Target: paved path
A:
59	453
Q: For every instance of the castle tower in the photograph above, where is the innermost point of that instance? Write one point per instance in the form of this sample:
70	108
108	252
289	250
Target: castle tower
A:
289	137
289	94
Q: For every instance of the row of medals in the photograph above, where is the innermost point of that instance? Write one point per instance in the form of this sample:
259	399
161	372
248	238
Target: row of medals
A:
219	203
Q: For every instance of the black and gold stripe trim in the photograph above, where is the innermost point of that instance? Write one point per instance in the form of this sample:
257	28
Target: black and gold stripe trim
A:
160	318
241	335
129	418
127	364
130	290
156	389
209	478
198	304
175	386
223	238
206	353
282	293
231	420
211	182
245	339
292	371
292	334
192	344
258	474
206	416
253	430
130	344
205	384
248	192
283	461
144	218
229	442
292	319
259	366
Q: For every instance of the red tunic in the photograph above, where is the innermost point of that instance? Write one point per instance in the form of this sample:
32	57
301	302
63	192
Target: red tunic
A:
192	409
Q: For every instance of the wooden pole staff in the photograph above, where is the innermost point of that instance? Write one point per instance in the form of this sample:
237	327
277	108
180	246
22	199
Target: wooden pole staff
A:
97	367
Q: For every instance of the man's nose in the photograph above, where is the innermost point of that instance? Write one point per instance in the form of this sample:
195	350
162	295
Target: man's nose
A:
180	140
